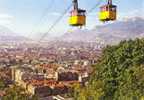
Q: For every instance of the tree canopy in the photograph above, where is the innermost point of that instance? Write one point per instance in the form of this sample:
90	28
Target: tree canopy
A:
15	92
119	74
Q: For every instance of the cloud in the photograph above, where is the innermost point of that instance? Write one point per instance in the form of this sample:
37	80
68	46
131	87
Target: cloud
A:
5	16
5	19
134	13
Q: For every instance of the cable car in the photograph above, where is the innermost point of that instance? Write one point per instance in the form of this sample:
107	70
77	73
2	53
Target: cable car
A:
108	12
78	16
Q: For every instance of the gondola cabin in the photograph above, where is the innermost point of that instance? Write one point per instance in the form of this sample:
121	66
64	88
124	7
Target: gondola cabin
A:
77	18
108	13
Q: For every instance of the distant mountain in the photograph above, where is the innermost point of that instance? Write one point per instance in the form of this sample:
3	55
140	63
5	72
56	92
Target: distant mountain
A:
4	31
6	35
109	33
42	36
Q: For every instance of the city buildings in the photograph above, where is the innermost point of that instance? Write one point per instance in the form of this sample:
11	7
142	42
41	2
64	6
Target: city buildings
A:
50	70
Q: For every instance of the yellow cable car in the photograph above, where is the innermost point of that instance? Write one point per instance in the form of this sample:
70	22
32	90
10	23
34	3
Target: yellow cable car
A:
108	12
77	17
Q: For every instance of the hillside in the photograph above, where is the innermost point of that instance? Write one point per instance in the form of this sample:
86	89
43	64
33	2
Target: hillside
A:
119	74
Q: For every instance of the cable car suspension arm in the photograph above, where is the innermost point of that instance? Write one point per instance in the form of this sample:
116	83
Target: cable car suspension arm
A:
75	4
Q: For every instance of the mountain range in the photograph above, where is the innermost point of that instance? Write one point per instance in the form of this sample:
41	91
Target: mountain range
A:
109	33
7	35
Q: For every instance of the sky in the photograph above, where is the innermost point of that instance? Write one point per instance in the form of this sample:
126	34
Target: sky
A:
33	17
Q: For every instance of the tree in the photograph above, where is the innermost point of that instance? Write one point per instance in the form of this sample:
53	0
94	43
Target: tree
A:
119	75
17	93
2	85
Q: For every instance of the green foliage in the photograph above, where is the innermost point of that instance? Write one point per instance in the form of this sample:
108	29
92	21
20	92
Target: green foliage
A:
2	85
119	75
17	93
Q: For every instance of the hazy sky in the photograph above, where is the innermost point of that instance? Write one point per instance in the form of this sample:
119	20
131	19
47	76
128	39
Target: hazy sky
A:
26	16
